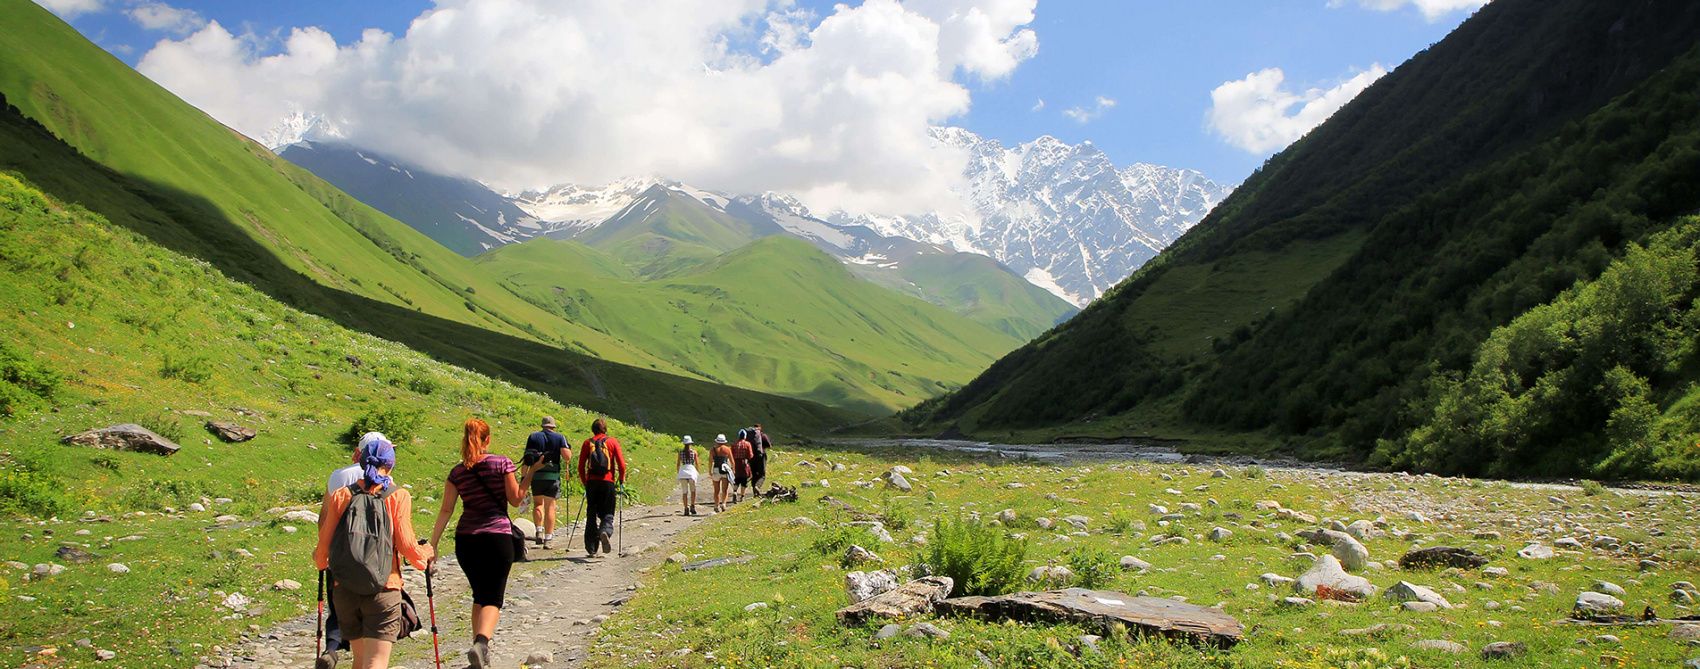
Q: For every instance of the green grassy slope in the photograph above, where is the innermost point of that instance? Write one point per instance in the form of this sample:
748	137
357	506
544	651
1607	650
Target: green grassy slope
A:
105	327
149	162
977	287
1312	308
776	314
665	231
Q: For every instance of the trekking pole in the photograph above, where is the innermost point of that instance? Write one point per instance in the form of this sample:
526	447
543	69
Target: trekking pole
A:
319	629
572	527
431	602
622	510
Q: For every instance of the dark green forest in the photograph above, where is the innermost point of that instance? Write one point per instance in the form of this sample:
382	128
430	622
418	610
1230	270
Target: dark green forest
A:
1498	175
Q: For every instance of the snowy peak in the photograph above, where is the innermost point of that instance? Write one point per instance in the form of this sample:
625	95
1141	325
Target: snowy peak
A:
299	126
1062	215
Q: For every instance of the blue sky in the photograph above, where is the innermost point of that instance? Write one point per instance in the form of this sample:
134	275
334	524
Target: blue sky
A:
1158	61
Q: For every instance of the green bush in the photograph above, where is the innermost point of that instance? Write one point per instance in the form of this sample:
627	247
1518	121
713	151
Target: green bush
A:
24	492
981	560
23	381
1255	472
165	424
896	515
400	424
1093	567
1592	488
191	368
840	535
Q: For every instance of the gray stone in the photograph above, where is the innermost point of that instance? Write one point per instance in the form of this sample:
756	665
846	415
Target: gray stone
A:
1685	633
1347	549
755	606
927	630
1610	588
538	657
105	655
1296	602
862	586
1406	591
1568	543
911	599
1441	556
1597	602
1504	650
1420	607
888	631
1496	572
287	585
856	556
230	432
305	516
1055	576
1220	534
1327	572
1101	609
1535	552
124	437
1131	563
1079	522
1439	645
895	481
801	521
118	568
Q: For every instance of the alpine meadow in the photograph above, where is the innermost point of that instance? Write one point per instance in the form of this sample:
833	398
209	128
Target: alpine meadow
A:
879	333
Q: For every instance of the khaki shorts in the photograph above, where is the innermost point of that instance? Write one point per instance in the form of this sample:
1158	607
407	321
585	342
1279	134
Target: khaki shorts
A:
368	617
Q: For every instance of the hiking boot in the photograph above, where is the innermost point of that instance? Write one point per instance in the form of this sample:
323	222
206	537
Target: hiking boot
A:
607	546
327	660
478	656
544	542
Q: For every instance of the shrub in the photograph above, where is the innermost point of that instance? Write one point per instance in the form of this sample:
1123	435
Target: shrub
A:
191	368
398	423
1592	488
1092	567
981	560
423	384
165	424
24	492
1255	472
840	535
1123	523
896	516
23	381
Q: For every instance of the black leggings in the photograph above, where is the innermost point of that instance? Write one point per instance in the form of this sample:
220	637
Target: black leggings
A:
486	560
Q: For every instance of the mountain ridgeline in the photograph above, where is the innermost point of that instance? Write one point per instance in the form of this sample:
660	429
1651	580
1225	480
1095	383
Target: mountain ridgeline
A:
1482	264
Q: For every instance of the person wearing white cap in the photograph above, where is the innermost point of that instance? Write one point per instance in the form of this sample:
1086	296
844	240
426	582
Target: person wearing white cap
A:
688	476
721	473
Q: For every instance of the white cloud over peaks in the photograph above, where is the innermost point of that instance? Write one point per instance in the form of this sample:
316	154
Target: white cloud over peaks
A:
1432	9
1259	115
1088	113
164	17
68	9
526	93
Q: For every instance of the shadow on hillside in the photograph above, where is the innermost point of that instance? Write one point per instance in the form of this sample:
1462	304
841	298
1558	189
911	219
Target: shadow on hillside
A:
191	225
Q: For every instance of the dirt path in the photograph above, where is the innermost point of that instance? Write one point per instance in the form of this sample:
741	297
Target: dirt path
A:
555	603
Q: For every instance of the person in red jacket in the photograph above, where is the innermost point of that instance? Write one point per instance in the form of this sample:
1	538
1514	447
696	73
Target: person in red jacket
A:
600	466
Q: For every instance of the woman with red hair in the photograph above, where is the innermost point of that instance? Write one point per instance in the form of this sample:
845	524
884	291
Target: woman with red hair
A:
484	543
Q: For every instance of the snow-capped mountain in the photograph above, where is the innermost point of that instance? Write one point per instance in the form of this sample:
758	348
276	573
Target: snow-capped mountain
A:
569	209
297	127
1064	216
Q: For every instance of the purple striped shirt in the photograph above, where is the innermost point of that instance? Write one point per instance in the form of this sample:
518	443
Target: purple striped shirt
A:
482	495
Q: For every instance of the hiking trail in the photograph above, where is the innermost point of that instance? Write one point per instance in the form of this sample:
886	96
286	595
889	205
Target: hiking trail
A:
555	604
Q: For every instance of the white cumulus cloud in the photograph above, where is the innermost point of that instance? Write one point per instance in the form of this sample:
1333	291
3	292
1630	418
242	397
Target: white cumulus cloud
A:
163	17
68	9
526	93
1085	114
1432	9
1259	114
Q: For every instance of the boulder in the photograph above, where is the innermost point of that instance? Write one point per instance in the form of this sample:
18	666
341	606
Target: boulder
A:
1051	575
1439	645
877	528
1327	579
1131	563
1504	650
1610	588
230	432
1406	591
1591	603
1535	552
1685	633
911	599
864	585
1440	557
926	631
1104	611
1079	522
856	556
1220	534
895	481
802	521
124	437
1346	548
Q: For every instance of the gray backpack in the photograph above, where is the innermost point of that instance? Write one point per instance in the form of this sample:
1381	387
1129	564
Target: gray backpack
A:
363	548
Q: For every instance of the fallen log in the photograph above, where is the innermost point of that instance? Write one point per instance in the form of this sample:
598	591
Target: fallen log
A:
1104	610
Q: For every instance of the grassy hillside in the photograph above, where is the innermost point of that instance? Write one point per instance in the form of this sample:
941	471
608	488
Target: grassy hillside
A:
665	231
977	287
776	314
147	161
1314	308
105	327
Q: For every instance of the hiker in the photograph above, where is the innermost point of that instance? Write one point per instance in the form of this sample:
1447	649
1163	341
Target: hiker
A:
688	476
545	449
598	458
721	474
484	541
758	464
365	571
741	454
342	478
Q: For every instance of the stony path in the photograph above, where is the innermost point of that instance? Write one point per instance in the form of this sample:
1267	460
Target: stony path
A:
555	604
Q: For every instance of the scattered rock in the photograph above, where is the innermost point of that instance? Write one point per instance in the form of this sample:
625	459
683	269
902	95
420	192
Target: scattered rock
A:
1408	592
1440	645
1504	650
230	432
1687	633
105	655
756	606
41	570
1051	575
1420	607
911	599
801	521
236	601
926	630
717	562
1496	572
1131	563
118	568
1610	588
538	657
1535	552
862	586
73	555
287	585
197	507
1105	610
1567	543
888	631
895	481
299	516
124	437
1440	557
1597	603
1345	548
1220	534
1327	579
676	558
856	556
1296	602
